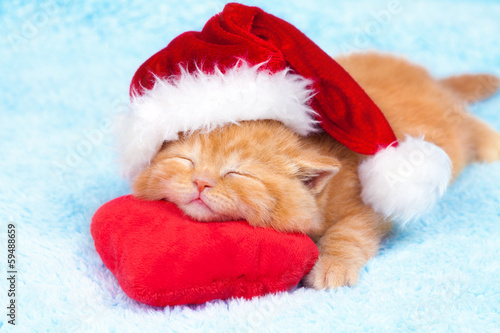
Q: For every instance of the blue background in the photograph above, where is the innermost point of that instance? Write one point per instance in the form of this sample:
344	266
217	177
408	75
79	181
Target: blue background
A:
65	67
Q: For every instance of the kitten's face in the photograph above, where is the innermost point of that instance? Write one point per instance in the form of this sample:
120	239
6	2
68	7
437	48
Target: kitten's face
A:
256	171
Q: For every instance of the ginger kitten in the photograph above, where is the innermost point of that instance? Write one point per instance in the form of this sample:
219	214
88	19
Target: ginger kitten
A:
262	172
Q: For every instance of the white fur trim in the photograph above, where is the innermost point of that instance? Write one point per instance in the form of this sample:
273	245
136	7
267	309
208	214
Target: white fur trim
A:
200	101
403	182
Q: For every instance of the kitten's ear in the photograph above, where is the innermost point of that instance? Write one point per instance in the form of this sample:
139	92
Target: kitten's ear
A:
316	174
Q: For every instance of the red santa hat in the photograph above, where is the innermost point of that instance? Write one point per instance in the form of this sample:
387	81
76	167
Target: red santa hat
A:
248	65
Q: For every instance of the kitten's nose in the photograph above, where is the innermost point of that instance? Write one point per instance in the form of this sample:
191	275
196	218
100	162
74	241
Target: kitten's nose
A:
201	184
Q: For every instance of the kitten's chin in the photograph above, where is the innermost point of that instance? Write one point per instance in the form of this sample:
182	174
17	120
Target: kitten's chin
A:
199	211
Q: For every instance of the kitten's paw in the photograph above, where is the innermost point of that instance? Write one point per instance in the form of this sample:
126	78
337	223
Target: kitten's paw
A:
331	272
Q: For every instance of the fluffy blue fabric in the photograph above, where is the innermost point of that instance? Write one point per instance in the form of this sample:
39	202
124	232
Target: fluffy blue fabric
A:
65	69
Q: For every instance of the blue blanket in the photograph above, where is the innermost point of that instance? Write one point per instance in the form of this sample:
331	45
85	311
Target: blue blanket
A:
65	67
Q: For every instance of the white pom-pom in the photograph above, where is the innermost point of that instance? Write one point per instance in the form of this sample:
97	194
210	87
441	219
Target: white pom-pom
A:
403	182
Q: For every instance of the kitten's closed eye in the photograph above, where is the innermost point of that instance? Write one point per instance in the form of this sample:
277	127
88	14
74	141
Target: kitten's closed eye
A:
187	161
237	173
157	181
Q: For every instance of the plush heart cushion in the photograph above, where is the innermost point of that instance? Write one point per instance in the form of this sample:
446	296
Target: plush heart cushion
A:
161	257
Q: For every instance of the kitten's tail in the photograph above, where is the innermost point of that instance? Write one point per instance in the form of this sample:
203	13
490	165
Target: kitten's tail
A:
473	87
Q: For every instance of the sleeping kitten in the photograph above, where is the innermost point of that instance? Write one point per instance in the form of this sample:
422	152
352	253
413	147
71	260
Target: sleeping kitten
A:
262	172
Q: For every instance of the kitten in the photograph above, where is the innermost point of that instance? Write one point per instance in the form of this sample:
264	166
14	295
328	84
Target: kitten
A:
262	172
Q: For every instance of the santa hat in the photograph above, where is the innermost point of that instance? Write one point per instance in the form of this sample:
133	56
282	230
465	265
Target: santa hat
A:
247	65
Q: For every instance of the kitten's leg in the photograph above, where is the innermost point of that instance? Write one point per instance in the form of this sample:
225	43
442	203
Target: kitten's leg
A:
485	140
345	248
482	140
473	87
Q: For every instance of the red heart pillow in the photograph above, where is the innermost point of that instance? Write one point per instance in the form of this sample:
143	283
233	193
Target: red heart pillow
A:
161	257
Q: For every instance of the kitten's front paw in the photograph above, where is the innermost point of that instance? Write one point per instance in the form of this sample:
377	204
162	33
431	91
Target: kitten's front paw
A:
330	272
